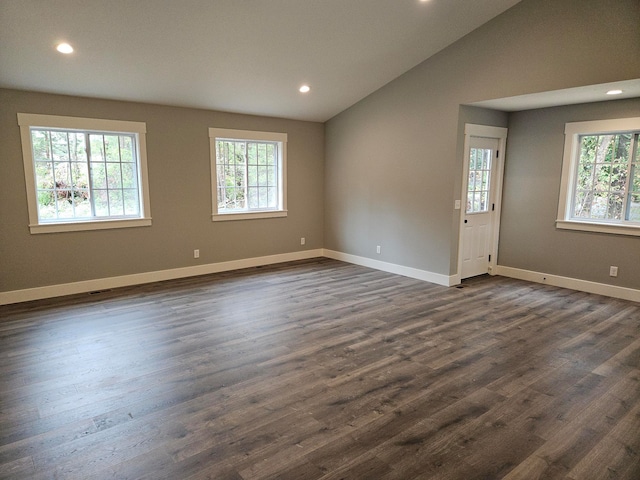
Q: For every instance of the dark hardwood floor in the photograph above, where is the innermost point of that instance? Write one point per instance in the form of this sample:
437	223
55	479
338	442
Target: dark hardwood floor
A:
321	370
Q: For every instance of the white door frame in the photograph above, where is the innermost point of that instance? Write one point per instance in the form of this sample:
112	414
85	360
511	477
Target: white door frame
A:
499	133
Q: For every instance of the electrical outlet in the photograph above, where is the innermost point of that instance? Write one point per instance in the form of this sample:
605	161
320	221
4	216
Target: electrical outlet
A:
303	240
613	271
457	205
378	249
196	253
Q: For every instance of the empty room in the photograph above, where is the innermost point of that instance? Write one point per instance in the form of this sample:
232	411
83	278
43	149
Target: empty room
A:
338	239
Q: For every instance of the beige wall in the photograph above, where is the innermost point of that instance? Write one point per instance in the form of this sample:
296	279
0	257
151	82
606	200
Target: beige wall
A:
180	190
394	160
384	172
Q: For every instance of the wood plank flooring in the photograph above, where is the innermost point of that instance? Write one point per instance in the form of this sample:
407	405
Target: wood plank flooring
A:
321	370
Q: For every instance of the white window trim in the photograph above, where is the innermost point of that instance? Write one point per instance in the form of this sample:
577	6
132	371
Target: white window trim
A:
28	120
569	165
232	134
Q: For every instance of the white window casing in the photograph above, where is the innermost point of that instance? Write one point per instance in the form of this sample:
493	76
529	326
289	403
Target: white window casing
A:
571	158
132	132
243	190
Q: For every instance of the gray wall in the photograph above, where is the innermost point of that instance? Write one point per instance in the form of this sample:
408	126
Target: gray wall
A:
393	160
180	190
528	237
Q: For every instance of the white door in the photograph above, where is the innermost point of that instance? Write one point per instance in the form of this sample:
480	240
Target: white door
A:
478	209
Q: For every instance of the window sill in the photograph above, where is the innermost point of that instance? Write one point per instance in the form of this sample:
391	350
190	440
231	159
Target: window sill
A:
633	230
223	217
89	225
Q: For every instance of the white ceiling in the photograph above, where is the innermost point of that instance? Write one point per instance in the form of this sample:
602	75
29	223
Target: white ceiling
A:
568	96
247	56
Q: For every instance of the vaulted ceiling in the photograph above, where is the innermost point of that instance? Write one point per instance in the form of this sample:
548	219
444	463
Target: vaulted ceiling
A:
247	56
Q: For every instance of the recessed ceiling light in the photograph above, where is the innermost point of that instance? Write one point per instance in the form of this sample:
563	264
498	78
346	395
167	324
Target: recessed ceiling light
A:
614	92
304	88
64	48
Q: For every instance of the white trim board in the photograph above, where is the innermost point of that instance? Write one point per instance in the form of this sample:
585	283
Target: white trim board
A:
51	291
437	278
571	283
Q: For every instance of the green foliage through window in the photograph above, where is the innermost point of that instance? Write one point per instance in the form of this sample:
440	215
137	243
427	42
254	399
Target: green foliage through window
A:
85	175
478	185
607	186
247	175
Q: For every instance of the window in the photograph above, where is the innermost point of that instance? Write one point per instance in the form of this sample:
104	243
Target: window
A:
601	177
248	174
84	174
478	186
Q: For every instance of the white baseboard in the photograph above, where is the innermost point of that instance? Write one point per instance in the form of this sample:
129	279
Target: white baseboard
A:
437	278
571	283
51	291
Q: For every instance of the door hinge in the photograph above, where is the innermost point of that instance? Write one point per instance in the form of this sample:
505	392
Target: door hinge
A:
497	153
493	207
489	257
